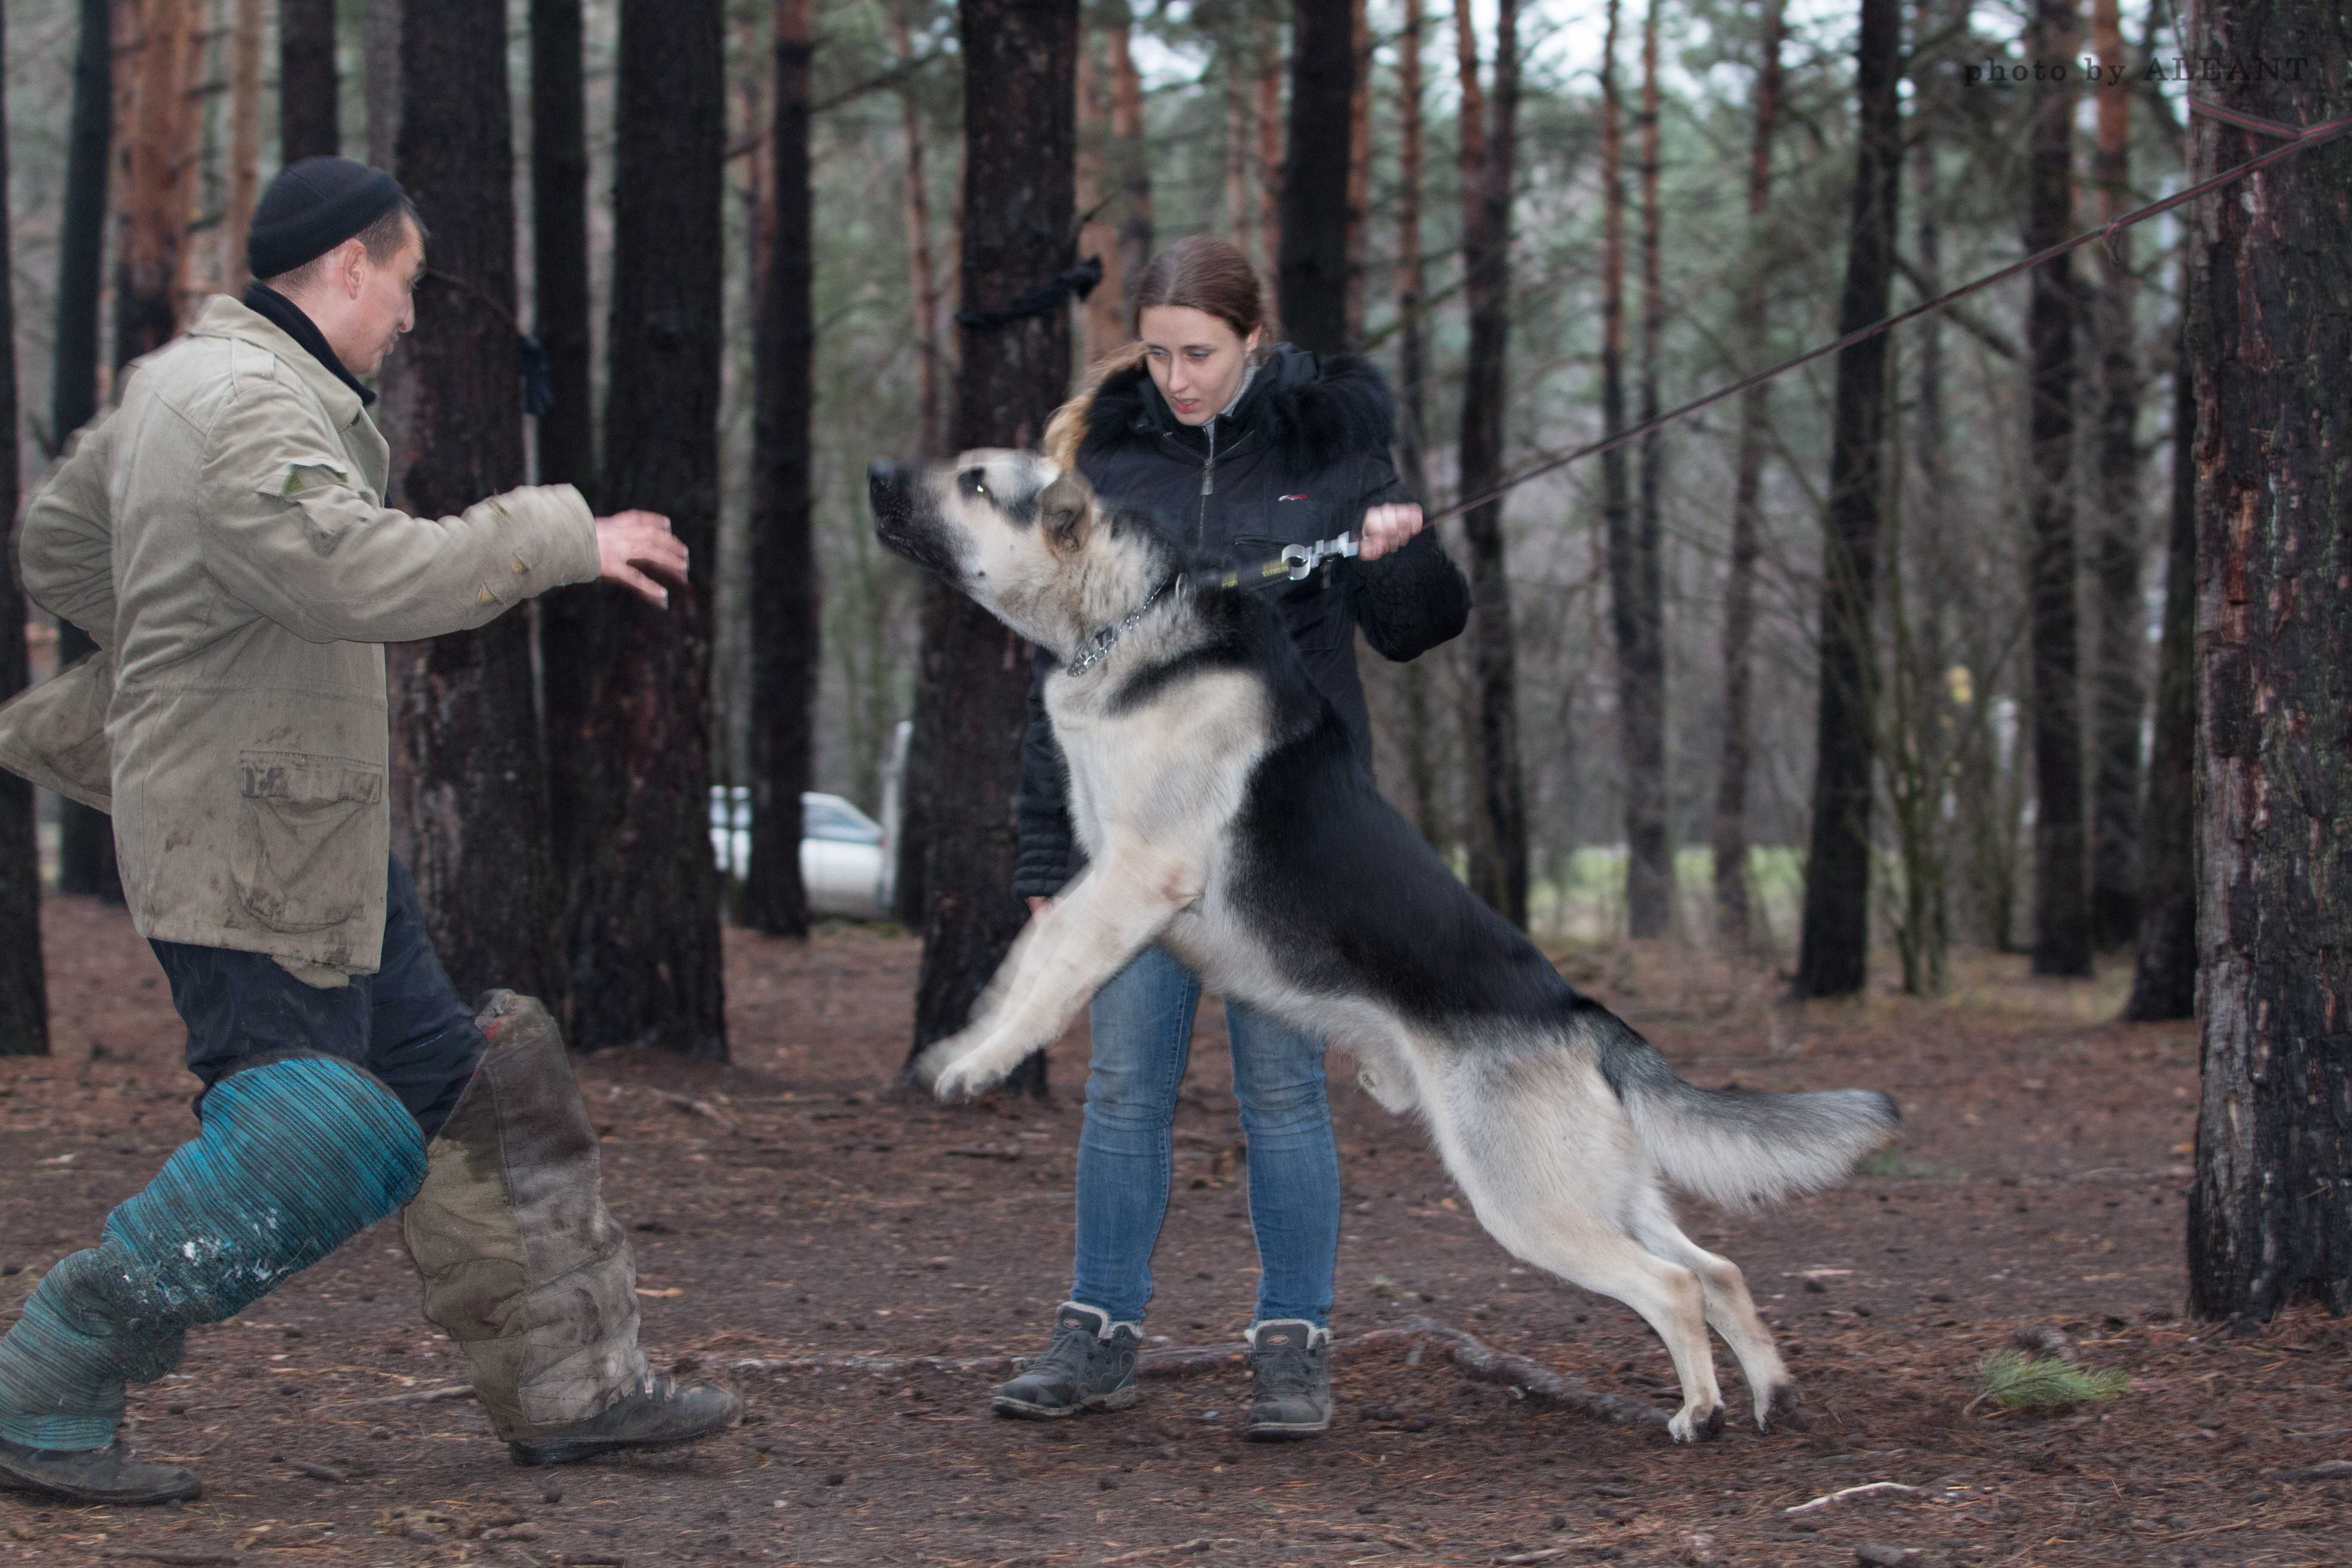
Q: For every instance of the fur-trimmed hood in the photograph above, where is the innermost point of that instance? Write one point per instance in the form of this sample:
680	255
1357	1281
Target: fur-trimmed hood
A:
1313	411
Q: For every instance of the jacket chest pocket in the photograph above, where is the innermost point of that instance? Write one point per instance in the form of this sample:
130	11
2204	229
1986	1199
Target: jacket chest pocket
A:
306	856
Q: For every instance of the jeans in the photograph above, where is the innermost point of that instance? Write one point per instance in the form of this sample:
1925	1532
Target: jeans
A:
403	1024
1142	1027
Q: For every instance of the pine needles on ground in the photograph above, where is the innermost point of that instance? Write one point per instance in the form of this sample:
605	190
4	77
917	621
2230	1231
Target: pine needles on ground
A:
2015	1381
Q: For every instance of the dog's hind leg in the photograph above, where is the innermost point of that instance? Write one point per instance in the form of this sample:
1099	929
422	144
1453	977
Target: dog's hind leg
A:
1584	1250
1729	1309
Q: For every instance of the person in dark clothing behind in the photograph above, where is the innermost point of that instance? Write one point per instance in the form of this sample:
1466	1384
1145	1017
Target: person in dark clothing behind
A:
1229	447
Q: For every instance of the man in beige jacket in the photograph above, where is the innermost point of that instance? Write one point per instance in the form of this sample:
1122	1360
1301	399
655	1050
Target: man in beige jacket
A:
221	536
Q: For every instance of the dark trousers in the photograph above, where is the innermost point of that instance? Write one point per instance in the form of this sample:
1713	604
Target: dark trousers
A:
405	1023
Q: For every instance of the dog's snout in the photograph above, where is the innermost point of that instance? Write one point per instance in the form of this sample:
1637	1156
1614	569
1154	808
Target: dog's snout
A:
887	484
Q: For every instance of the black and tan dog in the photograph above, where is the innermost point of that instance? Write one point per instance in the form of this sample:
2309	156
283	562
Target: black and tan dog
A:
1224	815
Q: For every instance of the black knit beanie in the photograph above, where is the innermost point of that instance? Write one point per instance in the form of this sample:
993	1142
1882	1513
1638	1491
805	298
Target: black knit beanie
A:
313	207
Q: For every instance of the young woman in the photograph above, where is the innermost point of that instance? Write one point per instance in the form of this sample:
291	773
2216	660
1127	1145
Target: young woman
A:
1229	445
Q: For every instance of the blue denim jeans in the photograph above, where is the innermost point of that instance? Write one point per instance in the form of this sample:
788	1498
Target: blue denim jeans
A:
1142	1027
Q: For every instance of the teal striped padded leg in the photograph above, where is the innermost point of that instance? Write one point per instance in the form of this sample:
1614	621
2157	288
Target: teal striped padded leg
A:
295	1157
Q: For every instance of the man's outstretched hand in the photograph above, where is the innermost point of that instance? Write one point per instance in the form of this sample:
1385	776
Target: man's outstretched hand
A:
628	541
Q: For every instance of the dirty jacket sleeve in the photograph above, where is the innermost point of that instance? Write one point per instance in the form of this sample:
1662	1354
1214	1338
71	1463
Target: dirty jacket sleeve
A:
65	547
1410	600
286	531
1042	813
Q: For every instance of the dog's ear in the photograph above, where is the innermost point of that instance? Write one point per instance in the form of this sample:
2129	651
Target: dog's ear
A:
1066	507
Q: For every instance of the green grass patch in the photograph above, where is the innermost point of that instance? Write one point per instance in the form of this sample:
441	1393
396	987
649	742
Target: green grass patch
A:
2015	1381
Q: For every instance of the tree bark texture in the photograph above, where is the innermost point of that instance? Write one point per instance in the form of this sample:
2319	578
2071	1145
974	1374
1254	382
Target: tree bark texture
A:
2061	936
1130	164
471	796
24	994
1100	317
1019	198
310	121
244	138
2119	691
1265	114
2269	327
1729	824
784	633
1637	586
86	847
1241	207
628	685
1616	494
1312	287
158	189
1498	855
1833	949
558	210
1360	163
922	285
2164	978
1412	368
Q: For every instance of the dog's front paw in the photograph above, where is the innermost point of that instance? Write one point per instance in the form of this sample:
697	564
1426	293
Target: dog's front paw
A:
1692	1424
958	1067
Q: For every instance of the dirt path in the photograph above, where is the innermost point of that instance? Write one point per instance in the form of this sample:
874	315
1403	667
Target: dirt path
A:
800	1210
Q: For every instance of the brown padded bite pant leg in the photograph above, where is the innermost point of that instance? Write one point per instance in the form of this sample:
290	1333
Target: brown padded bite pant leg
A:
523	1267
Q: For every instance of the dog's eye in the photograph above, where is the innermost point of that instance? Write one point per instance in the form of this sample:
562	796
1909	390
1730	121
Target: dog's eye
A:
973	484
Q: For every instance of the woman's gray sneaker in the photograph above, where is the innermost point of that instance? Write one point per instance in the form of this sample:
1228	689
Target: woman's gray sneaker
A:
1290	1380
1090	1365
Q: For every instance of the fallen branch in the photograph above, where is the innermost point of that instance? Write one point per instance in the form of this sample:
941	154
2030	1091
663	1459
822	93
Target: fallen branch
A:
415	1397
1198	1544
1546	1554
318	1472
1476	1359
176	1558
1872	1489
984	1151
693	1106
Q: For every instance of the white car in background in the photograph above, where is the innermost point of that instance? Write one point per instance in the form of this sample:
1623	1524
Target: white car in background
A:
845	859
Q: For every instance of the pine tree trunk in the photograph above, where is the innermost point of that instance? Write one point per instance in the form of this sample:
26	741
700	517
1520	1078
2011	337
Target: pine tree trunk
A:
309	121
1617	526
1102	317
2062	938
86	837
1412	371
1130	160
2164	980
1498	855
1833	953
628	685
923	288
559	212
1638	604
470	800
244	138
1312	286
1729	825
1019	137
784	634
1240	207
1360	165
1265	112
2270	1214
158	185
24	993
2120	693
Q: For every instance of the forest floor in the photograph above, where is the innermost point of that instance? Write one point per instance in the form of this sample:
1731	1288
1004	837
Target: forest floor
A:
791	1206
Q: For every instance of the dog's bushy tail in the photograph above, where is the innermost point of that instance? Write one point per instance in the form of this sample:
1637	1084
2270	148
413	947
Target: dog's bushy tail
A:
1739	1147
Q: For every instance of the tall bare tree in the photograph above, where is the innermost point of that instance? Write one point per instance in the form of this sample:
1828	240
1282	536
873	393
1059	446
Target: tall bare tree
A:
470	792
1616	495
310	121
784	634
1131	157
1312	284
1360	163
24	994
1636	573
1833	951
2164	978
157	195
1729	824
2062	938
86	836
559	212
1413	370
1498	853
1102	319
1241	205
2119	691
972	702
2269	1222
244	138
923	288
1265	114
628	685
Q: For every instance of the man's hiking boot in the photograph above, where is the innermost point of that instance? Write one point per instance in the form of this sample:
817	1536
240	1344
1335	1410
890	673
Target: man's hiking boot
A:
1290	1380
658	1415
1090	1365
108	1475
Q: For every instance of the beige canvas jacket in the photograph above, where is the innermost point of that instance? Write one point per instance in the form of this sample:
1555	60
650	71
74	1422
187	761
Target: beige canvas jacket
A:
221	536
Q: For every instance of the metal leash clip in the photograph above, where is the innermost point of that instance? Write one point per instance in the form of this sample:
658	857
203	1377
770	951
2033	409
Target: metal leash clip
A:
1302	559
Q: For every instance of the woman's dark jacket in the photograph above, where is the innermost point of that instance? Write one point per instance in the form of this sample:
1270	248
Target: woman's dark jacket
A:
1298	458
